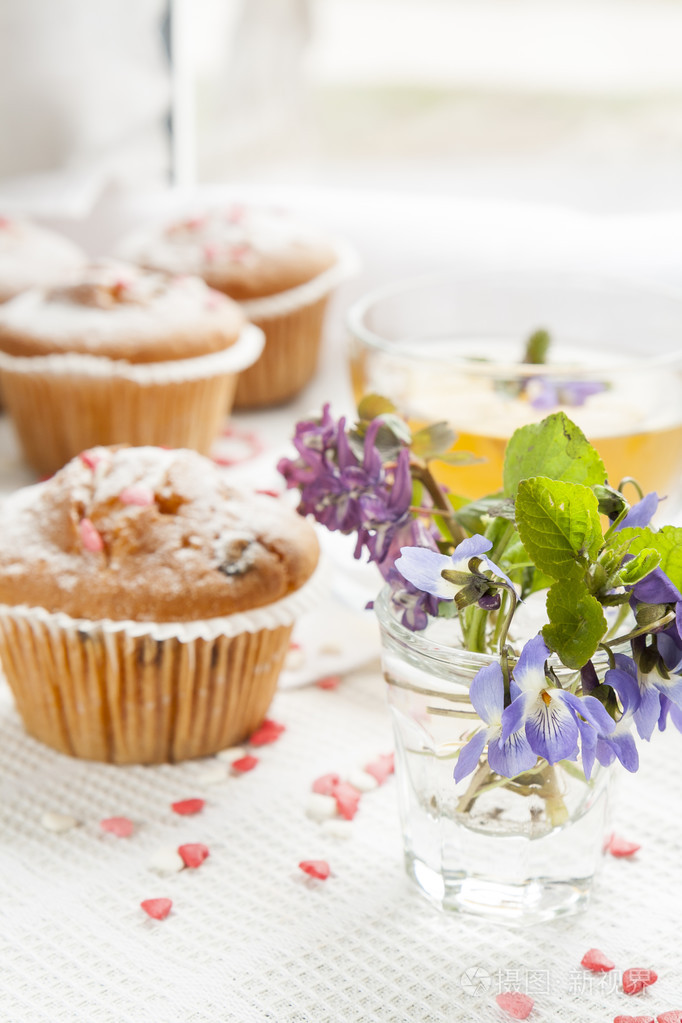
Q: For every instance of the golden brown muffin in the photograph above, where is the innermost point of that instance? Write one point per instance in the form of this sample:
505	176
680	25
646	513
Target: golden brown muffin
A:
282	272
120	355
146	606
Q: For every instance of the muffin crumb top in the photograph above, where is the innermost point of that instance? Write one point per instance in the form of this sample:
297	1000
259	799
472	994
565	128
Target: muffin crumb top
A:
149	534
121	311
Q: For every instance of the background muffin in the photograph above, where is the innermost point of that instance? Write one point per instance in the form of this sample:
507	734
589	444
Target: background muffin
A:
280	271
146	606
31	256
120	354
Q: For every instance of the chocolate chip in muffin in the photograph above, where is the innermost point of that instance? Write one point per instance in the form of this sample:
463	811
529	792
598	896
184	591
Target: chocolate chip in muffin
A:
237	557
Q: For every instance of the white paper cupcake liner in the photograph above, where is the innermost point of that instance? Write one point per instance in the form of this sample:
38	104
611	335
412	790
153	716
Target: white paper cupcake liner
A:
246	349
138	693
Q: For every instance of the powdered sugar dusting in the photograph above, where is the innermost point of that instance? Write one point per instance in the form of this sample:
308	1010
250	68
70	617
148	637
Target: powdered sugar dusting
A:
219	238
112	300
194	548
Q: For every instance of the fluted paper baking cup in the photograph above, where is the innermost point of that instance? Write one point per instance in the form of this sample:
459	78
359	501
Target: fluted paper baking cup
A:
62	404
289	360
133	692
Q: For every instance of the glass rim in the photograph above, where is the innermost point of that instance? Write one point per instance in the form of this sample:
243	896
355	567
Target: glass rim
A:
421	643
593	283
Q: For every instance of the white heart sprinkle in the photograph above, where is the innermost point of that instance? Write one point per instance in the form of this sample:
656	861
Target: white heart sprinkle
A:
294	660
231	754
338	828
362	781
58	822
330	650
319	807
213	774
166	860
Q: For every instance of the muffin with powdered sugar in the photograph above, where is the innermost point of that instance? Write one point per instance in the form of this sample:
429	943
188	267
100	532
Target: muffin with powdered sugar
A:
281	271
119	354
146	606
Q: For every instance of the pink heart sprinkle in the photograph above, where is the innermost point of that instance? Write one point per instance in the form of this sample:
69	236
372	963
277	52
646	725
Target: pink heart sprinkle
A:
238	253
326	784
210	252
621	847
268	732
671	1016
381	768
91	539
187	807
193	854
347	800
235	213
122	827
515	1003
157	909
633	1019
316	868
596	961
637	978
90	460
139	494
244	764
328	682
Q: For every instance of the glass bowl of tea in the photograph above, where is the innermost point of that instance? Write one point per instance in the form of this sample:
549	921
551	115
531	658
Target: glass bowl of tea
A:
489	352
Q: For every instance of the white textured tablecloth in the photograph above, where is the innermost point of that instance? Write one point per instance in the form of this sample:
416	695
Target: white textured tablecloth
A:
251	938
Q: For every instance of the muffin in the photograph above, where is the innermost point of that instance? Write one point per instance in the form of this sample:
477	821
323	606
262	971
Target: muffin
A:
32	256
120	355
281	272
146	606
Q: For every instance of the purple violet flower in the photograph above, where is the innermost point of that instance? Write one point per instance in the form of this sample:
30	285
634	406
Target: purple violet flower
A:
654	682
641	514
424	567
545	394
507	758
549	714
619	742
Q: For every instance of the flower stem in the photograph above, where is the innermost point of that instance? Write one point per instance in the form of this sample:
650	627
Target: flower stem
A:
641	631
421	472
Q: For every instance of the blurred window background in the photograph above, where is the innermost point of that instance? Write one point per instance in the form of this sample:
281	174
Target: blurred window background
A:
576	102
571	101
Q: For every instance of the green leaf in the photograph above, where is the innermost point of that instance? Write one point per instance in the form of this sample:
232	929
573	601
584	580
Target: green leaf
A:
457	500
392	435
433	440
555	448
373	405
516	562
611	502
640	566
667	541
457	458
576	622
559	525
472	514
537	347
